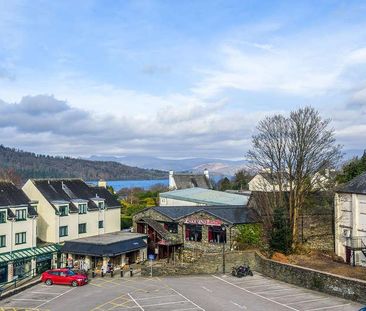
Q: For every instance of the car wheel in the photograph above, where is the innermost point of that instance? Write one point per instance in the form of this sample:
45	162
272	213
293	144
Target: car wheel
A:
74	283
48	282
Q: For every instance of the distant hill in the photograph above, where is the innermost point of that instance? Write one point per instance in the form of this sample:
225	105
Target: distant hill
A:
31	165
215	166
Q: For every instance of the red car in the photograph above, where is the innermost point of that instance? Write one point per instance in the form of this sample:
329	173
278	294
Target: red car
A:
64	276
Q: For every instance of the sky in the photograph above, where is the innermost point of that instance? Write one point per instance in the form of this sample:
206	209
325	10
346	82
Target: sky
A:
176	79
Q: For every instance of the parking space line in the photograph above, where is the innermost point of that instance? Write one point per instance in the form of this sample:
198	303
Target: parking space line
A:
305	301
30	299
47	293
184	309
155	297
330	307
133	299
299	294
275	290
187	299
164	303
256	294
55	297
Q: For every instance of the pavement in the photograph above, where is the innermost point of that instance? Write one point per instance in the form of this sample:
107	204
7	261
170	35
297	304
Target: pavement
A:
207	292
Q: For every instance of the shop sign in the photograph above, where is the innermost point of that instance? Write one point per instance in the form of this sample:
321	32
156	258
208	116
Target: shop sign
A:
204	222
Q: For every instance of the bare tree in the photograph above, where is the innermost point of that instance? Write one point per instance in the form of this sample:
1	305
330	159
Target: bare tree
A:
294	149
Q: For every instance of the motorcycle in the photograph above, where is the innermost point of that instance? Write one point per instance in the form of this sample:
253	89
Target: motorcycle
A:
241	271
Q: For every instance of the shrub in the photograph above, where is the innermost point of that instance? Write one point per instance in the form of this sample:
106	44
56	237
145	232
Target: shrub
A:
126	222
249	234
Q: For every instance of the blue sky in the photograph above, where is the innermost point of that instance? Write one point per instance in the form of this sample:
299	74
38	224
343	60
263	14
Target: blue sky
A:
175	78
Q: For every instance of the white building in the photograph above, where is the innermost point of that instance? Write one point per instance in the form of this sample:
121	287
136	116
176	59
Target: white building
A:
268	182
178	181
350	221
69	209
19	255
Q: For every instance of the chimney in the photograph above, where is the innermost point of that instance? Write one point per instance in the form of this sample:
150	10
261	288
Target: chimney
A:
205	172
102	183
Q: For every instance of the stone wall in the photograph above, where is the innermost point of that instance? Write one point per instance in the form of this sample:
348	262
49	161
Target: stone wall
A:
305	277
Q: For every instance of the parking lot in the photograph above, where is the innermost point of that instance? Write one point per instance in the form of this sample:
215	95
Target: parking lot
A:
210	293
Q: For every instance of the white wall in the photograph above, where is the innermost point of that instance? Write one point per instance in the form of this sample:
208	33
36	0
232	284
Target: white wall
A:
174	202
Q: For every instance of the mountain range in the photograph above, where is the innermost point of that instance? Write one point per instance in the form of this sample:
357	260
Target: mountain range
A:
215	166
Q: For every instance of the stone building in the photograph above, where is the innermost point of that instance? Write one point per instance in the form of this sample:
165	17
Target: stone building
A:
207	228
178	181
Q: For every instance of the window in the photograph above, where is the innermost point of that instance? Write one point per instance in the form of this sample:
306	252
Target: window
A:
216	234
63	210
2	240
82	228
20	238
2	217
100	224
82	208
171	227
20	214
63	231
101	205
194	233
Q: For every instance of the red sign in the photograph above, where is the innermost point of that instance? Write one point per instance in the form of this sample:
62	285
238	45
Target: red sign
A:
205	222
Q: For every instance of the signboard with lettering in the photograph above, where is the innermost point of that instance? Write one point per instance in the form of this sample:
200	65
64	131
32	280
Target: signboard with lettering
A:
204	222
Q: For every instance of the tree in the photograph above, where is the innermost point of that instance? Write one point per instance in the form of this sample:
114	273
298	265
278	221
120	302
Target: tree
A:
352	169
224	184
293	149
241	180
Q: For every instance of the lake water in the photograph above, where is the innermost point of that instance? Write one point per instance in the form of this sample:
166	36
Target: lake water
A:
145	184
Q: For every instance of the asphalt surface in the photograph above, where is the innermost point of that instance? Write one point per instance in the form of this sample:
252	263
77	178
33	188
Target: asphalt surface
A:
210	293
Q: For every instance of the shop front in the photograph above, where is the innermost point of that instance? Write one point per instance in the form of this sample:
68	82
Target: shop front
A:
43	263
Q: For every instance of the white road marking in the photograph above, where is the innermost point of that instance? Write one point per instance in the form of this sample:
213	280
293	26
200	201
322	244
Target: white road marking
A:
164	303
206	289
187	299
305	301
238	305
184	309
330	307
269	299
155	297
299	294
47	293
31	299
275	290
55	298
133	299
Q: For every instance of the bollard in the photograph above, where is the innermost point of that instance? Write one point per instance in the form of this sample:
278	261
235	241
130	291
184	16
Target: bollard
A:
102	274
121	273
111	273
93	274
131	272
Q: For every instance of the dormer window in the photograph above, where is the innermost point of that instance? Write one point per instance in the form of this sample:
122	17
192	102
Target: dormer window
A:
2	217
101	205
82	208
20	214
63	210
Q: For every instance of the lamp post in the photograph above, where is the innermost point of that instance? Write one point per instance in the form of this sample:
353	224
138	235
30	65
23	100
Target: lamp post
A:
223	227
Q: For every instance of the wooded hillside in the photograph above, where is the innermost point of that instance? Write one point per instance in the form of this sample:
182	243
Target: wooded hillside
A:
31	165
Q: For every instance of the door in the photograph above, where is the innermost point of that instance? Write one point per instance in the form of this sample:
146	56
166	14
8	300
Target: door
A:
64	277
348	255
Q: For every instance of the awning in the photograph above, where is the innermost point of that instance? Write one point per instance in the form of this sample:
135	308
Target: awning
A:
27	253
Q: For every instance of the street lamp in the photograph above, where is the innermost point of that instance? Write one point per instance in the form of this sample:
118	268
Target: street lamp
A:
223	228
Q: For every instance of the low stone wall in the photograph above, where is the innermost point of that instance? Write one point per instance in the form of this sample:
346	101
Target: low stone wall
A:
347	288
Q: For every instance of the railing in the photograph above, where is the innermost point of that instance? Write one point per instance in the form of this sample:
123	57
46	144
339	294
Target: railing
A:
17	281
356	242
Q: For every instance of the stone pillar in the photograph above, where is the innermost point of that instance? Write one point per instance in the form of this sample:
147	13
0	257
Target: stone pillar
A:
88	262
54	261
10	271
105	263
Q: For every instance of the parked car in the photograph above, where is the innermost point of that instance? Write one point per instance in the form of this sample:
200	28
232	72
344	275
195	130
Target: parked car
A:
64	276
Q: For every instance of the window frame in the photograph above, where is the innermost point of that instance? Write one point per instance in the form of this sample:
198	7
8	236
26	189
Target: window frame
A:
193	230
66	231
66	210
100	222
101	205
22	212
2	240
216	234
20	238
83	225
5	217
83	207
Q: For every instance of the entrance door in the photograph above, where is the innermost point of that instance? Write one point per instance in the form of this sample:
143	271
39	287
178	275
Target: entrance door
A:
348	255
3	274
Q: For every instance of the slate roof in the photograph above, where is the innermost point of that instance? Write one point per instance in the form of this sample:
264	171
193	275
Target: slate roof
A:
109	244
74	189
230	214
356	185
206	196
10	195
184	181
